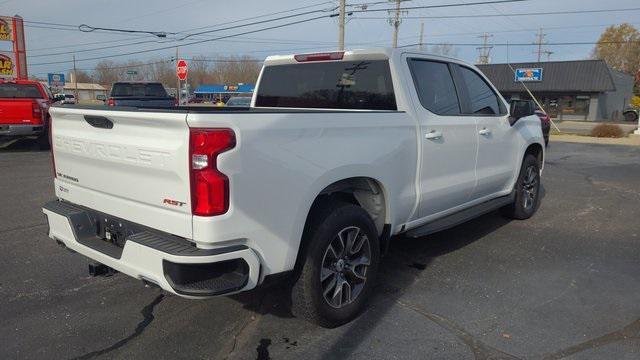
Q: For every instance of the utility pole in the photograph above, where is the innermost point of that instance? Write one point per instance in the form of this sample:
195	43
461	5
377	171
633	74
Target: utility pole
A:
341	17
75	79
485	49
421	46
395	22
178	79
540	41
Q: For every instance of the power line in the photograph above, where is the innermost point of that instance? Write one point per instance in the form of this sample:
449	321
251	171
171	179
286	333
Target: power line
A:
501	15
193	42
440	6
69	27
530	44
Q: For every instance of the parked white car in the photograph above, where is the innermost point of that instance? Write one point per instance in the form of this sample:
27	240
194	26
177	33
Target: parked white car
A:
68	99
338	152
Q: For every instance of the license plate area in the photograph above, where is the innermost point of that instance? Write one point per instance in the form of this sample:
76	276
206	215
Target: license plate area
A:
112	231
101	232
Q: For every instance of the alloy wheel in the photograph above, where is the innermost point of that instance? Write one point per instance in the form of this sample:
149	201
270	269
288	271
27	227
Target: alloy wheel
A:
344	267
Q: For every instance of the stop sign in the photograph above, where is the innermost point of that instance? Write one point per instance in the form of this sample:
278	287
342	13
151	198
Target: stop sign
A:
181	69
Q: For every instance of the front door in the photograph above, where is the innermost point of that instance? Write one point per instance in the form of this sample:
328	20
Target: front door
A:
448	139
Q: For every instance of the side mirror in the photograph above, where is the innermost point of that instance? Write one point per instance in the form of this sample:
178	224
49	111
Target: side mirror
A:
519	109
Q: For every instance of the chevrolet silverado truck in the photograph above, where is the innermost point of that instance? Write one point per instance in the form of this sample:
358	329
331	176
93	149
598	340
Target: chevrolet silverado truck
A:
338	152
24	106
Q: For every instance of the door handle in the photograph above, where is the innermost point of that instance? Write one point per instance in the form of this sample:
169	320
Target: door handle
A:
433	135
485	132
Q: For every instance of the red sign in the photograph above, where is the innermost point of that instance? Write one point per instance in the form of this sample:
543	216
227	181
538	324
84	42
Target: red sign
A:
181	69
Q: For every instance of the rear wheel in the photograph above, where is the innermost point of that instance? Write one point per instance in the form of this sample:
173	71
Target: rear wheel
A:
43	141
339	268
527	191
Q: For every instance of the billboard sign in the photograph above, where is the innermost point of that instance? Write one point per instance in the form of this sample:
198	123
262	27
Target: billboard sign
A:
531	74
6	29
7	66
56	80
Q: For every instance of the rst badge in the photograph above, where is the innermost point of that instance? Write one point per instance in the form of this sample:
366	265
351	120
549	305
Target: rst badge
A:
173	202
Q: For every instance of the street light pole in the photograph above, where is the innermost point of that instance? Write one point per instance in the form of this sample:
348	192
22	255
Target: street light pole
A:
396	24
75	79
341	20
421	47
178	79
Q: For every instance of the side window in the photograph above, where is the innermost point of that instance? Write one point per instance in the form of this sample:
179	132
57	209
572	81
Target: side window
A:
482	99
435	86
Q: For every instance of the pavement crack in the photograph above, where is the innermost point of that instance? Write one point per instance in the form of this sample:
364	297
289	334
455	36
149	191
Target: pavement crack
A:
27	227
481	351
631	331
147	314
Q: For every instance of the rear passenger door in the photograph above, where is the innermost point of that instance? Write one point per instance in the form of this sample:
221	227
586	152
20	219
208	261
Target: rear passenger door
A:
448	139
497	155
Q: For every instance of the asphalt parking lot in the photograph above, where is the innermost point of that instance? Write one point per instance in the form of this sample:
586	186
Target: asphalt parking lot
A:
562	285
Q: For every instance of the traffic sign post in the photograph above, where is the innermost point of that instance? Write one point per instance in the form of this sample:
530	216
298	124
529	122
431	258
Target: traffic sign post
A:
181	73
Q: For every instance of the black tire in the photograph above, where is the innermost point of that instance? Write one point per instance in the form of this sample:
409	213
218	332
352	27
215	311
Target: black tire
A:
308	292
43	139
631	116
527	191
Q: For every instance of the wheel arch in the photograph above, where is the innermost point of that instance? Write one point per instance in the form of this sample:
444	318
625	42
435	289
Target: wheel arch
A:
364	191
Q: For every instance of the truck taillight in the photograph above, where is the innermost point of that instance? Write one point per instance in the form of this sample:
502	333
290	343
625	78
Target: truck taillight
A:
209	187
111	102
36	110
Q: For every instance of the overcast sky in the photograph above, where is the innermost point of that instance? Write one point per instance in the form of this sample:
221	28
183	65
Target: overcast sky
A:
185	15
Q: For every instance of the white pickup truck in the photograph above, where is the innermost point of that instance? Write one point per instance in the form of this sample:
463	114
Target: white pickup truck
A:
338	152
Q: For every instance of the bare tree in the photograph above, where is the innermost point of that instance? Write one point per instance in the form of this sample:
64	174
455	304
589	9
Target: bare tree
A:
106	72
82	76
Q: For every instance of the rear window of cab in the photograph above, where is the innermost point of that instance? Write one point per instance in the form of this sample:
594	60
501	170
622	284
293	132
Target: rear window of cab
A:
19	91
357	85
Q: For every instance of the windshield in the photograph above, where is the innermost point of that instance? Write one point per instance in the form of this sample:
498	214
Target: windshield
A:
20	91
363	85
138	90
239	101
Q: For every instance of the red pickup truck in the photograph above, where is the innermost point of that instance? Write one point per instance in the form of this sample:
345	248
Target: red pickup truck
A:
24	110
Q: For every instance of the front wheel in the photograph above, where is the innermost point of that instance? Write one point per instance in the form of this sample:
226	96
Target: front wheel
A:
527	191
340	266
630	116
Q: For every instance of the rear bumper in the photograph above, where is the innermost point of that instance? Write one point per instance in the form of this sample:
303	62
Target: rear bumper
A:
172	263
20	130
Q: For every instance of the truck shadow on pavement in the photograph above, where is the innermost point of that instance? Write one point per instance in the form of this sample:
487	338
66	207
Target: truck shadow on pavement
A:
19	145
400	268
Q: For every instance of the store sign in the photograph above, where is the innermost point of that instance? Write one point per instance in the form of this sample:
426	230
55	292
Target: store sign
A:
7	66
5	30
531	74
56	80
230	88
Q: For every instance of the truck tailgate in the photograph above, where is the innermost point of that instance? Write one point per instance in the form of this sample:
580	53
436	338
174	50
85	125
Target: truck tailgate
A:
128	163
16	111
